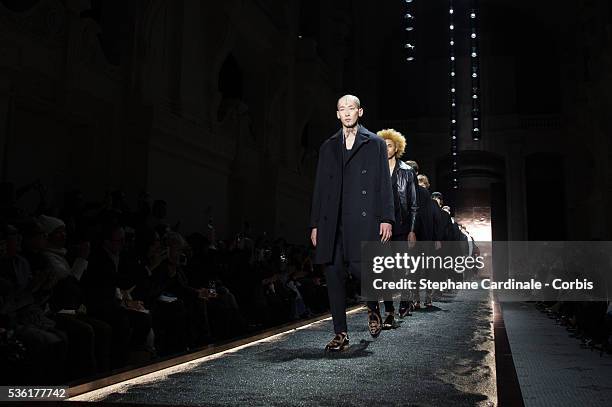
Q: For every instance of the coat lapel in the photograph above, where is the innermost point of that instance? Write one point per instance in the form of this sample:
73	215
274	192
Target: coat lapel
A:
360	139
337	139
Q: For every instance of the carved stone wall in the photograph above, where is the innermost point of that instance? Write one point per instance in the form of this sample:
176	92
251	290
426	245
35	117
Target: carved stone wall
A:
79	108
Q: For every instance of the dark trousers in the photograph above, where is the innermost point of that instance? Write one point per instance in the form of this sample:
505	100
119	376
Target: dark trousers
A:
129	330
170	326
389	304
45	357
335	276
88	344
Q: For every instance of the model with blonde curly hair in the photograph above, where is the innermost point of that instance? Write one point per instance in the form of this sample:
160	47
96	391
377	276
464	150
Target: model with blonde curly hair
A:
403	182
397	138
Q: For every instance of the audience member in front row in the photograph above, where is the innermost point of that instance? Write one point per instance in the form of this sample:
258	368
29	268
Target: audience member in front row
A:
169	312
174	295
103	286
90	339
45	345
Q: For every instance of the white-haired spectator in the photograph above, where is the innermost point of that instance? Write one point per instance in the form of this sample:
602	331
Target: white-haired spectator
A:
56	249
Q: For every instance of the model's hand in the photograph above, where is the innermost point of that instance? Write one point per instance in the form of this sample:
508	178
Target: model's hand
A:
135	305
313	236
411	239
385	232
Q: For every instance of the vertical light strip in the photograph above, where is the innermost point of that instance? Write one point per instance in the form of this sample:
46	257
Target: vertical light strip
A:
410	30
453	93
475	71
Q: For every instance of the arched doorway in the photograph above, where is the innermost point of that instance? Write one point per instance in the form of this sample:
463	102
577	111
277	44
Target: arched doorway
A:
480	201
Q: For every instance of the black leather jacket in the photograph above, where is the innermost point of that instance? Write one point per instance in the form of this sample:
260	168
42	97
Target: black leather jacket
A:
403	182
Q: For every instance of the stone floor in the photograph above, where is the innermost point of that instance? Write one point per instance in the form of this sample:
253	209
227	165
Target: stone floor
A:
440	357
551	367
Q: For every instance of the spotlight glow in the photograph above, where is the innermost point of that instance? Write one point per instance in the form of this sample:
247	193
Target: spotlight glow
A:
157	376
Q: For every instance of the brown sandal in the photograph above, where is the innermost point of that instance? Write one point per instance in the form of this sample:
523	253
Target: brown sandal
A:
339	343
374	323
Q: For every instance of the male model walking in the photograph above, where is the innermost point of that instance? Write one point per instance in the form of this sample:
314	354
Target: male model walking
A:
403	183
352	202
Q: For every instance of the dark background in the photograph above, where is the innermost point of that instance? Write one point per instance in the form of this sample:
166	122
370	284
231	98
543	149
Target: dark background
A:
220	107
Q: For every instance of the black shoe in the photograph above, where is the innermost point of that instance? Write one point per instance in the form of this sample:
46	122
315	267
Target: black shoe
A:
374	323
428	304
339	343
389	322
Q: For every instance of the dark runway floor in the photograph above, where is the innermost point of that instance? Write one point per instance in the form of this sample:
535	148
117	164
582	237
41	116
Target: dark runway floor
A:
440	357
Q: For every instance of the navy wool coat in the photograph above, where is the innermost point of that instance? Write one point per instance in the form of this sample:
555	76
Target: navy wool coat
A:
362	186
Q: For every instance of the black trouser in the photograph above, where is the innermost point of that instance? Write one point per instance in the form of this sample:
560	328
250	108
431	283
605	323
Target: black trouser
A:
170	326
129	330
89	344
430	274
45	358
389	304
335	276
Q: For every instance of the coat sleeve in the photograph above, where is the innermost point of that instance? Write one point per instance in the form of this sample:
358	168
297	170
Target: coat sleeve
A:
450	230
412	201
316	197
438	227
386	193
78	267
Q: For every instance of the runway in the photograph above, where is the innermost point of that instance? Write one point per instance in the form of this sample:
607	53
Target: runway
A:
443	356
